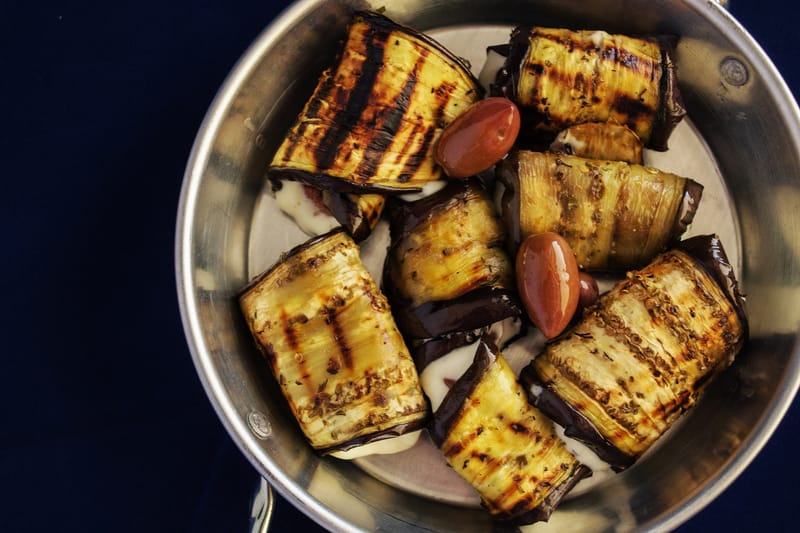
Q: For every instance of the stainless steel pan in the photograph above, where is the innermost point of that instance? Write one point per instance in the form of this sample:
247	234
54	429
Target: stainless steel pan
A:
744	134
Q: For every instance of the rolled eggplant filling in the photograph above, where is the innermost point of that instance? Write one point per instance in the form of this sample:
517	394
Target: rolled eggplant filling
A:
375	116
506	448
332	344
563	77
447	269
643	355
615	216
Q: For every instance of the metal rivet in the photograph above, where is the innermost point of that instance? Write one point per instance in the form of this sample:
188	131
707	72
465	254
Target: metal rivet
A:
259	424
733	72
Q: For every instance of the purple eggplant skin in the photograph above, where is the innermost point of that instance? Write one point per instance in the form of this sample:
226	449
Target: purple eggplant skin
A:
483	290
514	433
707	326
541	127
574	423
359	214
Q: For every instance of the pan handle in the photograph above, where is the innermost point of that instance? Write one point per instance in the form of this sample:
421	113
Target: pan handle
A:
261	506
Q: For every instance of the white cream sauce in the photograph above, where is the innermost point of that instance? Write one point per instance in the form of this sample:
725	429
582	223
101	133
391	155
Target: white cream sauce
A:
291	198
494	62
381	447
427	189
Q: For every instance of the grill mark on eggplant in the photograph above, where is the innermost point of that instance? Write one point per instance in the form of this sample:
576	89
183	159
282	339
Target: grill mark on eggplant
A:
600	395
390	120
325	153
443	93
623	57
634	108
587	89
339	336
312	112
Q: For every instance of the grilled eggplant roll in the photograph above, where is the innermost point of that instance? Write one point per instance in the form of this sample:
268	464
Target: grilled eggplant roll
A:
447	269
503	446
615	216
564	77
599	140
333	346
644	354
375	116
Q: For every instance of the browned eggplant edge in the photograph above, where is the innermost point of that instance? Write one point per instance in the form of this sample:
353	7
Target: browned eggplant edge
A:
472	310
507	175
430	350
358	223
449	412
404	217
334	184
671	109
708	251
388	433
323	181
575	424
692	194
453	403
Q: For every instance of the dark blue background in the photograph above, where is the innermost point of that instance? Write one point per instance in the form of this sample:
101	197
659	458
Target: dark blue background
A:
104	425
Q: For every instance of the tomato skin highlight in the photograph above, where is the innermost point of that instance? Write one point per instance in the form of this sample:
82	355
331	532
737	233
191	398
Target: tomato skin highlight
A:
589	291
548	281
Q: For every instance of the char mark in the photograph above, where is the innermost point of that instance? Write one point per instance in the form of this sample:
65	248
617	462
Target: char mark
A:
357	100
390	122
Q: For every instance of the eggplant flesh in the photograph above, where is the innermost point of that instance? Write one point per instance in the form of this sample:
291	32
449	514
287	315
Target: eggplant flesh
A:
506	448
614	215
447	269
375	116
561	77
599	140
643	355
332	344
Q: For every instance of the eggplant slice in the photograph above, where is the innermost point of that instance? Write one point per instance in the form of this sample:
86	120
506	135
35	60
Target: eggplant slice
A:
447	269
643	355
506	448
615	216
374	117
332	344
357	213
563	77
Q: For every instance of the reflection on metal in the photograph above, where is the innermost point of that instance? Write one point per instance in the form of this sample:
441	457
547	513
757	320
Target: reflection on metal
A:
261	507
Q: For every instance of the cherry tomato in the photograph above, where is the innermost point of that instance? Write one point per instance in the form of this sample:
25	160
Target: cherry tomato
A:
478	138
548	281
